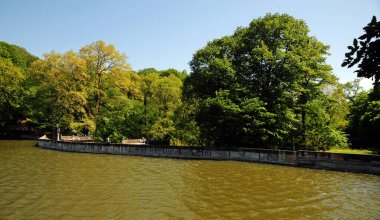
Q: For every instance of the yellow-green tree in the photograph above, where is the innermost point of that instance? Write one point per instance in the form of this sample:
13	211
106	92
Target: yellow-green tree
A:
11	78
167	92
14	87
60	91
72	89
101	59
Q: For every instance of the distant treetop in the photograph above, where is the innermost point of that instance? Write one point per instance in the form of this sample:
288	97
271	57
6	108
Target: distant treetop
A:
18	55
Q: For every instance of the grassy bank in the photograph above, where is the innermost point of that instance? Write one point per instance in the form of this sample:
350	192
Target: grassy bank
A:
351	151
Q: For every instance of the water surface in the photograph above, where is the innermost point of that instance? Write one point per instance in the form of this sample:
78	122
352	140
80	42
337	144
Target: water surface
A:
45	184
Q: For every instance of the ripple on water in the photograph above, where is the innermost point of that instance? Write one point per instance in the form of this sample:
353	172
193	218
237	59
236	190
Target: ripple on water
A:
45	184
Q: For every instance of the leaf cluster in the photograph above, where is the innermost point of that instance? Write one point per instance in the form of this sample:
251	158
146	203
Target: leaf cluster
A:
365	52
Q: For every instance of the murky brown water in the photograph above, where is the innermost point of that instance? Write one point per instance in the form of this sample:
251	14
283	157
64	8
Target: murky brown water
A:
44	184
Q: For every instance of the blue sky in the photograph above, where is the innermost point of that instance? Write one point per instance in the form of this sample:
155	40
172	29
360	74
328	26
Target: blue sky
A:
165	34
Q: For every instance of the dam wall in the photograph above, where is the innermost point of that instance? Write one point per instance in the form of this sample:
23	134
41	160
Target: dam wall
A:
317	160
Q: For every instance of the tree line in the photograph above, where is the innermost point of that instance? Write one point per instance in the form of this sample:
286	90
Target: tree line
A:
265	86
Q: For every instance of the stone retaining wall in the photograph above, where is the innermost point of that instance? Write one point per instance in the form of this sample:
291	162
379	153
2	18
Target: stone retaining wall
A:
318	160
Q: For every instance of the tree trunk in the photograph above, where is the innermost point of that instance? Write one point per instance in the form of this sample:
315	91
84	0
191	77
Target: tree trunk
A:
145	103
97	100
304	101
303	115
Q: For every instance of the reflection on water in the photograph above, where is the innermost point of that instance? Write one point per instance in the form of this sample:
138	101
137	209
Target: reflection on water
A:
45	184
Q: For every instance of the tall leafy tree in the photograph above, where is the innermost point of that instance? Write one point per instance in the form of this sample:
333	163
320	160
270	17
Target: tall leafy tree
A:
11	78
141	104
121	96
161	97
14	86
60	92
101	59
75	87
278	62
364	117
273	61
167	96
326	120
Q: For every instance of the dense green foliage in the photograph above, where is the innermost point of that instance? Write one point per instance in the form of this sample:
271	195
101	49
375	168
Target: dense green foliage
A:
95	91
18	55
265	86
14	96
364	117
367	53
